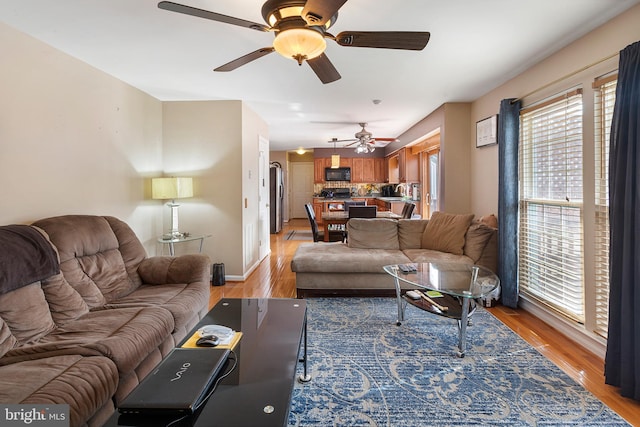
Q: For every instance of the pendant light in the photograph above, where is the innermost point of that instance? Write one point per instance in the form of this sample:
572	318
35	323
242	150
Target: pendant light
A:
335	158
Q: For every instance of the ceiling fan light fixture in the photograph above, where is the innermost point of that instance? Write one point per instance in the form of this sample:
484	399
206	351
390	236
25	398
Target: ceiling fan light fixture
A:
299	44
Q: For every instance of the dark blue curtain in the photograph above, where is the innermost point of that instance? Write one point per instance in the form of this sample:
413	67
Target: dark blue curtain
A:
508	139
622	362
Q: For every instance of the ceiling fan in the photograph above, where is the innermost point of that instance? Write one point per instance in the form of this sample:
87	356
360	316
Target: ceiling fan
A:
365	141
300	28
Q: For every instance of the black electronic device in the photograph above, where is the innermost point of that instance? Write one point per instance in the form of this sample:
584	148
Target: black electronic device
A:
178	385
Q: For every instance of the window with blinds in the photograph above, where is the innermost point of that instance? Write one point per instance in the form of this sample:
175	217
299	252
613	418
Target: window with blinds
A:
605	97
550	266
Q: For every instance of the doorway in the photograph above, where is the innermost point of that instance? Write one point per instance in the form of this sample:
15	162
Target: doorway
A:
301	184
429	149
263	197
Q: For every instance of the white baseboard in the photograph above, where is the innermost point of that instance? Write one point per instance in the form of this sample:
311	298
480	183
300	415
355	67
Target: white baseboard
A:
576	332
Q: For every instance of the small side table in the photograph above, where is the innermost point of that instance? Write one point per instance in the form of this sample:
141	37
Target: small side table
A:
172	241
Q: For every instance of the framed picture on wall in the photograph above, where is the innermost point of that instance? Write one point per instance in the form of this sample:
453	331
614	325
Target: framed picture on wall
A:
487	131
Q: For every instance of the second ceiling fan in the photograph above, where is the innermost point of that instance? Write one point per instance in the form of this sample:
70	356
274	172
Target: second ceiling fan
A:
365	141
300	28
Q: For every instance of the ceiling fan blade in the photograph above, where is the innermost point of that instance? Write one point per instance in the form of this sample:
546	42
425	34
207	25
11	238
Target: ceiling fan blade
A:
324	69
236	63
385	139
356	141
201	13
318	12
407	40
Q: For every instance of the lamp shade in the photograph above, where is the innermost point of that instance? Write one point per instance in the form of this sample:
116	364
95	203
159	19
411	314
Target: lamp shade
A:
171	188
299	43
335	161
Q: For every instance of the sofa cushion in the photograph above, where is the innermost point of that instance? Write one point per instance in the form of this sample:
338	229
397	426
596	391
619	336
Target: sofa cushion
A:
27	314
84	383
410	233
124	335
90	258
445	232
339	258
429	255
65	303
476	239
373	233
7	340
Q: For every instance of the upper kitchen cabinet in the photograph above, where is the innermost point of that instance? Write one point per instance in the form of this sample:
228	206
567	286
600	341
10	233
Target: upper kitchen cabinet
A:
357	170
318	169
403	166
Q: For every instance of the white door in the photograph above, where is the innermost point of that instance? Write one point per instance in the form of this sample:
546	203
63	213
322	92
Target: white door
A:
301	184
263	214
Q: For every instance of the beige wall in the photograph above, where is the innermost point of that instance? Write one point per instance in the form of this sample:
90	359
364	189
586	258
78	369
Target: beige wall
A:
74	140
216	142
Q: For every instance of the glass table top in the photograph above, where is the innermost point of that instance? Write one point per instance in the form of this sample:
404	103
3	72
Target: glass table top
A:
462	280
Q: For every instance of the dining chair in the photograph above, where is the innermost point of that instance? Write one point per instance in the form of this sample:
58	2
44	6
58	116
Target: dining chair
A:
407	210
318	235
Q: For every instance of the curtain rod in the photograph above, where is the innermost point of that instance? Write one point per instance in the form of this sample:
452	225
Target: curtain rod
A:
586	67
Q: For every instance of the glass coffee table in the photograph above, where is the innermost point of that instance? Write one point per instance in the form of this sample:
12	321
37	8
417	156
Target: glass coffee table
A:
445	289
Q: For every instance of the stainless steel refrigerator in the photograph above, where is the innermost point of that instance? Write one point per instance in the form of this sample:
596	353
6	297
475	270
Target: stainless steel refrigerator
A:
276	183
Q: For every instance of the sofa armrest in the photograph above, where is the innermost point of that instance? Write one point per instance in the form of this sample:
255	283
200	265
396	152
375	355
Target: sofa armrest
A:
161	270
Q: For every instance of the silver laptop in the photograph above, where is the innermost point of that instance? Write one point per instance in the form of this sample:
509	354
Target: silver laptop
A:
179	384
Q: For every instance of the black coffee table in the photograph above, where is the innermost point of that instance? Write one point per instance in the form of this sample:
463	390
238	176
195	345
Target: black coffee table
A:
258	391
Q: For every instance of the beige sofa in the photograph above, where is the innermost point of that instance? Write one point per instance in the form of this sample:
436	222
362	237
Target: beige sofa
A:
355	267
85	314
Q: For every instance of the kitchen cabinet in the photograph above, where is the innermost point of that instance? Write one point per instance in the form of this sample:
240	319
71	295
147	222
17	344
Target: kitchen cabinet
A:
379	174
393	169
403	166
318	169
368	170
357	170
382	205
318	207
409	166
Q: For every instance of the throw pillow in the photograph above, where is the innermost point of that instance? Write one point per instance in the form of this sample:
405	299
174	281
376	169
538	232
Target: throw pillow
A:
476	239
490	220
445	232
27	314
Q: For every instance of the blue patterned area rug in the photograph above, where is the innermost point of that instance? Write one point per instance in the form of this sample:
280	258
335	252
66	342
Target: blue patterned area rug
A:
366	371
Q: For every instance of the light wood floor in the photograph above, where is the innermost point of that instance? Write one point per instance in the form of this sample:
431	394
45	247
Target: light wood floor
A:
274	278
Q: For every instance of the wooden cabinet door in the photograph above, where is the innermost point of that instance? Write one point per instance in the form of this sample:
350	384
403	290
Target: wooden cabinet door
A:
357	169
344	162
379	166
317	210
411	166
393	167
318	169
369	170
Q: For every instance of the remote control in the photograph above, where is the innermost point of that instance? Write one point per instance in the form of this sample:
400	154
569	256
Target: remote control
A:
406	268
413	294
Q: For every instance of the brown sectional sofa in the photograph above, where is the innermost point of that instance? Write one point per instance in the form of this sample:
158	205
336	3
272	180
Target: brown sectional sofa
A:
86	328
355	267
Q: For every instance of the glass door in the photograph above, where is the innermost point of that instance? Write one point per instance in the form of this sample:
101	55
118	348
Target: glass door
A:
431	169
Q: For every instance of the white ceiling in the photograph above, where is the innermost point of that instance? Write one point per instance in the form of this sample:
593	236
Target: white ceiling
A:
475	46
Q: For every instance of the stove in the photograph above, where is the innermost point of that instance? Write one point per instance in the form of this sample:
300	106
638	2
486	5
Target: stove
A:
336	193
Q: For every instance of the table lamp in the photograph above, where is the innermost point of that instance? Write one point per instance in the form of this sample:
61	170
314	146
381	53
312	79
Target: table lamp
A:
171	189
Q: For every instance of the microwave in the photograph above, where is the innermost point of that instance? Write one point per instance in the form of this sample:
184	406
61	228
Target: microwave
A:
337	174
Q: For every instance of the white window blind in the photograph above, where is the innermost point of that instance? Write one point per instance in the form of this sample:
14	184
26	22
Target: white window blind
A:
605	97
550	266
